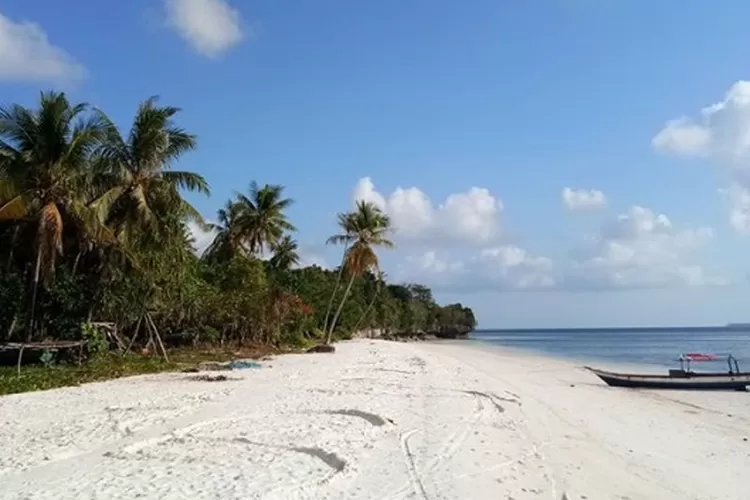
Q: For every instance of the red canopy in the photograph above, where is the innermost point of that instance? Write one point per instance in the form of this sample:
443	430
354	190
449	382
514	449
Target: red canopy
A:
697	356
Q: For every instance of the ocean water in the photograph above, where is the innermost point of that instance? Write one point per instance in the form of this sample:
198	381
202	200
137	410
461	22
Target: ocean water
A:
629	346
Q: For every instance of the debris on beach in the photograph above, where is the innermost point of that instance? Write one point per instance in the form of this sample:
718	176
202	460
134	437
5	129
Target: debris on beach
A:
211	366
243	364
210	378
321	348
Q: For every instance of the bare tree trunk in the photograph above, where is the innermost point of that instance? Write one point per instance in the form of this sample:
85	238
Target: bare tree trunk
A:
158	337
35	288
335	289
12	326
338	312
135	335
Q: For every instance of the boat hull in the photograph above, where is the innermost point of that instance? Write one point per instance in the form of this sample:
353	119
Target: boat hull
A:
687	381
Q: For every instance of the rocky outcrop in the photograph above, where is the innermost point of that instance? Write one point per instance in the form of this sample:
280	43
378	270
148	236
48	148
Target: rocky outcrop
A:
453	332
408	336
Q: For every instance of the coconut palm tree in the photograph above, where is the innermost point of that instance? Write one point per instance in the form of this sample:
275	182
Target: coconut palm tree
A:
284	253
227	243
261	216
346	223
45	178
364	229
144	194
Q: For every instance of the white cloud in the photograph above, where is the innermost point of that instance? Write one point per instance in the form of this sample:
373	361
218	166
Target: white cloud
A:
682	137
467	218
738	197
499	268
583	199
210	26
310	257
429	262
201	238
721	134
26	54
640	249
637	249
516	268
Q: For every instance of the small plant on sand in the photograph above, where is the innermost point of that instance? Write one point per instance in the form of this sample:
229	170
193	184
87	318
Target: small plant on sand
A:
96	341
47	358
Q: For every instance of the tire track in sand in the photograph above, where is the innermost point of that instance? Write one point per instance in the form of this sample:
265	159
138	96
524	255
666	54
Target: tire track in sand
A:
414	478
449	447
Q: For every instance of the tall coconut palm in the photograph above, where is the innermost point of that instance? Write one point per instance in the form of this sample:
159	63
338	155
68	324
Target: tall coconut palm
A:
44	178
346	223
284	253
262	218
364	229
144	193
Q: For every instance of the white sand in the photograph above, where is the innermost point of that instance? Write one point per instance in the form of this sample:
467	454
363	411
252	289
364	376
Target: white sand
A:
457	423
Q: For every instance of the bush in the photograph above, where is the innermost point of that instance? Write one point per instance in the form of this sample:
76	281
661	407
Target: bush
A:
96	340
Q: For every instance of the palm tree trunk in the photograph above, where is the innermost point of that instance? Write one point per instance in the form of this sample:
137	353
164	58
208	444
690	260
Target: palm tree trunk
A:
338	311
75	263
34	289
335	289
367	310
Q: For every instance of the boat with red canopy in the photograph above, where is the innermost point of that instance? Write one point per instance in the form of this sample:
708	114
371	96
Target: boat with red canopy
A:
684	377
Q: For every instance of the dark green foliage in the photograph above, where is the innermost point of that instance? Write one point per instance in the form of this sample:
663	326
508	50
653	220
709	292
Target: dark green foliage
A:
93	229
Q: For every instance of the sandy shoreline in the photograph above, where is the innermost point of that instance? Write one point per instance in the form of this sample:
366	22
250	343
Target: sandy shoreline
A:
376	420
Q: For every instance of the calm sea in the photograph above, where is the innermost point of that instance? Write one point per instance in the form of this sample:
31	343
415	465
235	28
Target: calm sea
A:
632	346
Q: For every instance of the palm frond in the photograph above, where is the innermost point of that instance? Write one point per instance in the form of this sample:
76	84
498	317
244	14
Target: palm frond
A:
138	195
92	224
102	205
112	149
179	142
244	202
284	253
14	209
86	137
18	125
187	180
191	213
339	239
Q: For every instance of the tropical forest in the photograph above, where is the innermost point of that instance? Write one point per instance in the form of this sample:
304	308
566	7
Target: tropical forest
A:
95	248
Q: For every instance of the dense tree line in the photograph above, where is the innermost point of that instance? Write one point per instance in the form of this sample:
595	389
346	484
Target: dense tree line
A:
93	228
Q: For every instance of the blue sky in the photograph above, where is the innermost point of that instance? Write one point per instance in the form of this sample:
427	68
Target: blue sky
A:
483	112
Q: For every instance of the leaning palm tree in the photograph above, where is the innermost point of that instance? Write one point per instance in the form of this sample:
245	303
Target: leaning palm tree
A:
364	229
44	178
346	223
144	193
284	253
262	218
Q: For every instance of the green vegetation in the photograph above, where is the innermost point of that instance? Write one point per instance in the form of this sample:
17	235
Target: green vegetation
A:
93	228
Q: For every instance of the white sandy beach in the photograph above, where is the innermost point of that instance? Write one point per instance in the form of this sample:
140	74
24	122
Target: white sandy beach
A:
376	420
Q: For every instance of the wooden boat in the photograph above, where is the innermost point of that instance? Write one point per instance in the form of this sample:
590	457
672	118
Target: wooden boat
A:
682	378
